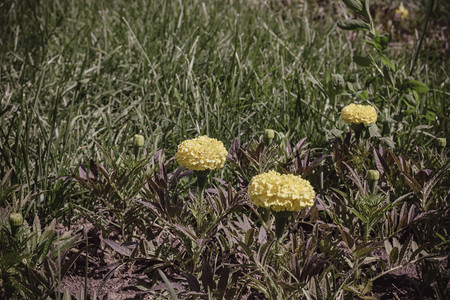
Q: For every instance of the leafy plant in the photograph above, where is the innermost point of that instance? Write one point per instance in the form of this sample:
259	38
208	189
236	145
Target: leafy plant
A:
35	260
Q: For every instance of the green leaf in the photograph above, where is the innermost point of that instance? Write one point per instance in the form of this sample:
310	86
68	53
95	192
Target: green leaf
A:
382	41
364	95
430	116
387	62
363	61
168	284
409	100
389	141
356	5
415	85
348	240
353	24
387	247
374	131
393	256
403	249
118	248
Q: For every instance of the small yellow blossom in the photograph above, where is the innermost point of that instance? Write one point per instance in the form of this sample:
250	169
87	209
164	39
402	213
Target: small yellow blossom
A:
357	114
201	153
281	192
401	11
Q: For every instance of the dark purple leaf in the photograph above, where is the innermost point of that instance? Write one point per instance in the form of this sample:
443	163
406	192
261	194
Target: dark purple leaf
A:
194	285
207	277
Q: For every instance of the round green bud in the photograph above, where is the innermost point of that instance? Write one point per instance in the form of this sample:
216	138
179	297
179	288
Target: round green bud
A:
337	84
15	220
373	175
269	134
138	140
441	142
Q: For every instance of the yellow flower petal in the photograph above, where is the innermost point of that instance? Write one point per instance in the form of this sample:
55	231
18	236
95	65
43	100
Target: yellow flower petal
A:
357	114
201	153
281	192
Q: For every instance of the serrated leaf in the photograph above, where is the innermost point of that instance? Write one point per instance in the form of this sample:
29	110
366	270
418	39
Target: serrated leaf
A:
348	240
396	243
362	252
48	237
64	245
403	216
353	24
367	288
38	276
125	251
393	256
10	259
363	61
403	249
356	5
387	247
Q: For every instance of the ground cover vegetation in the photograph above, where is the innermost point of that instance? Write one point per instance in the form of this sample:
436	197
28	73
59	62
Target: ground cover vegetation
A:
224	149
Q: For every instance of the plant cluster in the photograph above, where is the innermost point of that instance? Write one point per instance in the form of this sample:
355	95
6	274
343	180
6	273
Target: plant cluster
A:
326	217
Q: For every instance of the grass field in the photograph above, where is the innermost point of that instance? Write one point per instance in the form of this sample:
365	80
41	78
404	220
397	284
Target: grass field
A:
79	79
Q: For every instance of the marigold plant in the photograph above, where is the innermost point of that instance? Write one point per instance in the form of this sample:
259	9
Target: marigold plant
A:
281	192
357	114
201	153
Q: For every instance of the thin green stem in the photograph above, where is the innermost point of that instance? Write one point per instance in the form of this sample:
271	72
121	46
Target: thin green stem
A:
422	36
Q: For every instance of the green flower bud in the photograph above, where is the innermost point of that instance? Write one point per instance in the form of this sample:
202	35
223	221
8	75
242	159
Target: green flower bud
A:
138	140
269	134
15	220
337	84
441	142
373	175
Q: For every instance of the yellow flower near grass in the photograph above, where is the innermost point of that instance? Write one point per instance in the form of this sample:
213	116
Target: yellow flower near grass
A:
201	153
401	11
278	192
357	114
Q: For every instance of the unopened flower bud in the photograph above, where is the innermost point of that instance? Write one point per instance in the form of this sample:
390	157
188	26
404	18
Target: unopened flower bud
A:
373	175
15	220
441	142
138	140
269	134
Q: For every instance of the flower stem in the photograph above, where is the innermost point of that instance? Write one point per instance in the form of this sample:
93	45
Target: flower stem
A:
281	219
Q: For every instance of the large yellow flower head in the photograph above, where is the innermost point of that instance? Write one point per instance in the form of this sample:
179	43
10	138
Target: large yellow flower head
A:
279	192
357	114
201	153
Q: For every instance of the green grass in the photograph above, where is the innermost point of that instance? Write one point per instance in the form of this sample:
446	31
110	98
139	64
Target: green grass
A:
74	73
77	72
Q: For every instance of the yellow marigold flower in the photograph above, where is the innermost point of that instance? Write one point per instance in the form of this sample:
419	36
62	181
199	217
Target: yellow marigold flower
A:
201	153
279	192
401	11
357	114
